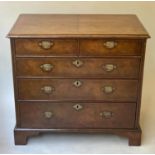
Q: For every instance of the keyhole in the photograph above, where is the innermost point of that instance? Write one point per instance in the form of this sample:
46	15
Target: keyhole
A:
77	107
77	83
77	63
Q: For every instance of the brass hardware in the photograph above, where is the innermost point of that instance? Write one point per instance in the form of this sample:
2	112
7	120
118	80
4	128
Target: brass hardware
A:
48	114
110	44
46	44
77	83
108	89
106	114
46	67
47	89
109	67
77	63
77	107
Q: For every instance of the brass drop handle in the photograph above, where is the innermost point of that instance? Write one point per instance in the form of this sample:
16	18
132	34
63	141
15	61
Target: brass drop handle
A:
48	114
77	107
77	83
46	44
46	67
110	44
109	67
77	63
47	89
106	114
108	89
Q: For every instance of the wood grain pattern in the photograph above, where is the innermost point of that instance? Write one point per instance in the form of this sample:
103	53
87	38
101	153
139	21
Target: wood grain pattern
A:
64	89
96	47
21	137
133	135
66	47
87	117
90	68
60	25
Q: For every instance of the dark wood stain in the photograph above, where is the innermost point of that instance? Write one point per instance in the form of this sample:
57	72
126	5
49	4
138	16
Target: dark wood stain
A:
64	67
96	47
60	47
88	117
64	89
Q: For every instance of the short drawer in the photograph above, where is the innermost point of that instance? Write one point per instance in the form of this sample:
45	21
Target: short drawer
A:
77	115
106	47
46	47
82	67
77	89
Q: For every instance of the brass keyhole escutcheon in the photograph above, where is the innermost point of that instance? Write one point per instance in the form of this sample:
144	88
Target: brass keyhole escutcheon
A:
77	63
77	83
77	107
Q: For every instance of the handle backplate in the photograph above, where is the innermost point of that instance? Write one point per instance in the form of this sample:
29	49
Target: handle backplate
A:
106	114
46	44
110	44
108	89
109	67
48	114
46	67
47	89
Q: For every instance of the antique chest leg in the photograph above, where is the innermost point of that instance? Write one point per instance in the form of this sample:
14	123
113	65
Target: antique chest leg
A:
21	137
135	138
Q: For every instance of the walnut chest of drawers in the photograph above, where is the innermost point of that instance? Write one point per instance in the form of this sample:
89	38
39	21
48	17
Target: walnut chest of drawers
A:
78	73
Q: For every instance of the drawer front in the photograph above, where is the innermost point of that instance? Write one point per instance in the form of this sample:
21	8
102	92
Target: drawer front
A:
66	67
46	47
101	47
67	115
77	89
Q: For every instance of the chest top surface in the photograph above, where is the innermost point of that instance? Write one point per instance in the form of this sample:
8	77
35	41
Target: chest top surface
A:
58	25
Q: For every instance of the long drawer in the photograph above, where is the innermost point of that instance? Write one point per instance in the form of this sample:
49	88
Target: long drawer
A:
77	89
77	115
80	67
